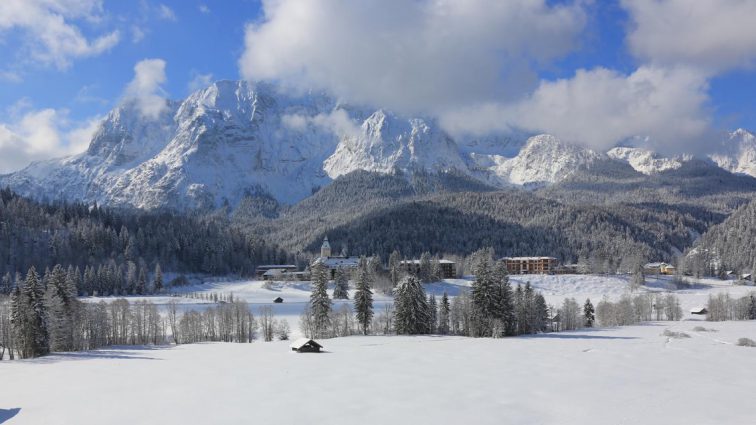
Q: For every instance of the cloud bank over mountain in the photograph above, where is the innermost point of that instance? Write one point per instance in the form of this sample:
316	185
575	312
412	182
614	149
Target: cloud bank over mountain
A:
475	64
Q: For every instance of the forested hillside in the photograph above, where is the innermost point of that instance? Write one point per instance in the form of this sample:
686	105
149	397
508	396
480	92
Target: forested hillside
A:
372	213
77	235
730	245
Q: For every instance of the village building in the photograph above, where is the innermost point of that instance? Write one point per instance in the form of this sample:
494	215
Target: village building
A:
530	265
659	268
306	345
447	267
335	262
261	270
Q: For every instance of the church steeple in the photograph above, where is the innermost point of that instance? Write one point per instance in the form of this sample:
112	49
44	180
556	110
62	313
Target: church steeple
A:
325	249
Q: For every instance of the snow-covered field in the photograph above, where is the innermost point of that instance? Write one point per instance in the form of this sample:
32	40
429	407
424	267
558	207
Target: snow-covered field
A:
555	289
627	375
619	376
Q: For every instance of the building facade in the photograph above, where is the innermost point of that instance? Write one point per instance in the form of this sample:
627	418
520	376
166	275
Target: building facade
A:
335	262
448	269
530	265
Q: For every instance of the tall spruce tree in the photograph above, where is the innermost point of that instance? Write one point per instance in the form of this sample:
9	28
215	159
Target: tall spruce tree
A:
363	296
157	283
341	287
411	311
433	314
504	304
443	315
484	298
30	317
395	268
589	313
320	303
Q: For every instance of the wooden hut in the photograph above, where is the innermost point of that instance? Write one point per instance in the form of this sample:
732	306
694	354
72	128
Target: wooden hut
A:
306	345
278	300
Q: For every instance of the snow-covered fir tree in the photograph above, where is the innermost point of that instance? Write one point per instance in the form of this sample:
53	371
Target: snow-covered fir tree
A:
395	268
363	296
484	298
443	314
341	288
411	312
29	317
157	283
320	303
433	316
589	313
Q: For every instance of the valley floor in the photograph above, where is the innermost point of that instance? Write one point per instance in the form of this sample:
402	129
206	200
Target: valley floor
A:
627	375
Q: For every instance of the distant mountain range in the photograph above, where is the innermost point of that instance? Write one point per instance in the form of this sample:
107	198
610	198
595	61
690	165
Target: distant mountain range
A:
237	139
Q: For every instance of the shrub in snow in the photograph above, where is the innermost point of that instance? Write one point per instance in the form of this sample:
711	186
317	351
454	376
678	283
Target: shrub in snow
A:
702	329
746	342
673	334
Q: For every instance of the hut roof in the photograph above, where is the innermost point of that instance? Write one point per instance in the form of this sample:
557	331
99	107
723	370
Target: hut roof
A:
301	342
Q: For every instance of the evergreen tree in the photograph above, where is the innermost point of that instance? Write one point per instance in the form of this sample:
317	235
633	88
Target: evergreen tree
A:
425	268
141	282
29	317
433	316
443	315
411	307
752	307
157	284
60	303
541	313
341	288
363	296
504	310
395	268
484	298
589	313
320	304
6	287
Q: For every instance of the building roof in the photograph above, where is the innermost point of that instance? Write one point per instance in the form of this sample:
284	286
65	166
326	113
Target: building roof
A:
277	266
655	265
338	262
273	272
698	310
301	342
528	258
418	262
325	243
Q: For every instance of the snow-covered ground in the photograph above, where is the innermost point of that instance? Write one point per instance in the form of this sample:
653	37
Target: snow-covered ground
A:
627	375
555	289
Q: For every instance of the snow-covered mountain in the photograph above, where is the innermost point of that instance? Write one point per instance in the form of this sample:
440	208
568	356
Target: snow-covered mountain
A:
737	153
645	161
385	142
543	159
236	138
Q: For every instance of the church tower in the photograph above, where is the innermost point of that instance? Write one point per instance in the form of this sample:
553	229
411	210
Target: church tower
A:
325	249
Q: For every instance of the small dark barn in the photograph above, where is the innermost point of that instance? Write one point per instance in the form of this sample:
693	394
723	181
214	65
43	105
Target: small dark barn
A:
699	311
306	345
278	300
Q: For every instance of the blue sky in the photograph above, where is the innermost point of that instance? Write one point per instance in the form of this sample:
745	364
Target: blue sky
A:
592	72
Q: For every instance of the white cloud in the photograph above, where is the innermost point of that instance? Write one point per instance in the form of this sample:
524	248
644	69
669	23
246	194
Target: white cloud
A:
199	81
10	76
165	12
410	56
145	89
42	134
50	34
601	107
204	9
713	35
137	33
337	122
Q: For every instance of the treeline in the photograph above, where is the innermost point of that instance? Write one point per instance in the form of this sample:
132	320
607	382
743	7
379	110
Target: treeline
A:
722	307
631	310
41	235
43	315
491	309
